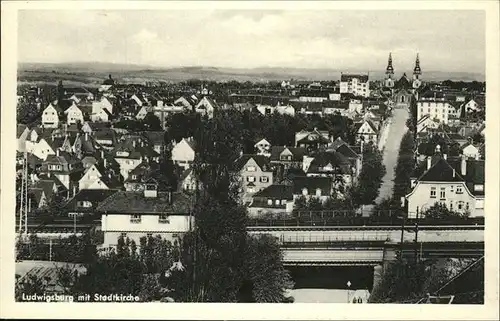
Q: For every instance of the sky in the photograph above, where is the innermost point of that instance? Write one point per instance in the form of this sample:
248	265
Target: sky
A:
445	40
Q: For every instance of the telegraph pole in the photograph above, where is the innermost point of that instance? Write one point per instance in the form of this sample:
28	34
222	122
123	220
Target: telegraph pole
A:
416	237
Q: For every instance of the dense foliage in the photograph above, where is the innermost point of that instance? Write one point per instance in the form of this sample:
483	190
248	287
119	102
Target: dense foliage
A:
367	188
404	167
410	281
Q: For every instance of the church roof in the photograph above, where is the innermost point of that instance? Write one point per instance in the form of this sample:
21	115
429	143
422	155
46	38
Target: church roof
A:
403	82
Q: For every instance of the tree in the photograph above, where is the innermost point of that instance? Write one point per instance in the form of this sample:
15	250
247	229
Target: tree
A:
440	211
373	170
30	284
152	122
27	112
404	167
268	281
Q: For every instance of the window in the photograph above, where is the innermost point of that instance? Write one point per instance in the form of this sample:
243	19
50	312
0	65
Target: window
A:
451	205
442	193
428	110
251	169
451	188
134	176
318	192
163	219
250	189
264	179
269	202
283	202
459	190
149	235
433	192
277	202
460	205
250	178
135	219
124	235
467	206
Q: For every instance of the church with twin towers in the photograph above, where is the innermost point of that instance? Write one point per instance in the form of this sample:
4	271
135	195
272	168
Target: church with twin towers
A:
400	91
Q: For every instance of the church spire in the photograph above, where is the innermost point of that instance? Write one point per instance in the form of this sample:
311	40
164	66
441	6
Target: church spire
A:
417	70
389	70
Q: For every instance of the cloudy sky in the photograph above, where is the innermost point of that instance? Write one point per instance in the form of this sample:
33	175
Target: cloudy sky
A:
446	40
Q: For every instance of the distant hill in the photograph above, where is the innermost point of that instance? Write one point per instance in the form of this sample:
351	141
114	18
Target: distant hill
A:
92	73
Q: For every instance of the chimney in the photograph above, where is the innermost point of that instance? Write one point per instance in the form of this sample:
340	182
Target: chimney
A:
86	136
102	154
57	152
133	143
429	162
463	166
105	163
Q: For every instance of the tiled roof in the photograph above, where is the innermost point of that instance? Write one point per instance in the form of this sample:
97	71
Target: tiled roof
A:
276	191
312	183
297	153
95	196
441	171
336	160
349	77
261	160
47	186
136	203
347	151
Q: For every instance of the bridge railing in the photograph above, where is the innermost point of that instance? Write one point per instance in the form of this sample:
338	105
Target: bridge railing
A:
328	238
343	218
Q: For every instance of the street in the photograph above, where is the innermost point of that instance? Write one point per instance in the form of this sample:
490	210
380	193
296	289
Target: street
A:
397	128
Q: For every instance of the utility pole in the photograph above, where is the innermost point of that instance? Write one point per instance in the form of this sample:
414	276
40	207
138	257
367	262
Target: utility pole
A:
416	237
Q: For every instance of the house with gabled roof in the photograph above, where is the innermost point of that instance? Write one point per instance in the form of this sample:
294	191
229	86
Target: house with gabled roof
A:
334	165
73	114
66	167
104	174
288	157
254	173
312	140
425	123
51	116
206	106
470	150
263	147
183	153
457	183
150	213
272	199
318	187
188	181
367	131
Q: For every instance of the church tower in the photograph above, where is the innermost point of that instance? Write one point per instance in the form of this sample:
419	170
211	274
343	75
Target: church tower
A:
389	72
416	73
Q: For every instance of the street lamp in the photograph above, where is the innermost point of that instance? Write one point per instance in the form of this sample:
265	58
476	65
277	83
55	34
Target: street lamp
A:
348	288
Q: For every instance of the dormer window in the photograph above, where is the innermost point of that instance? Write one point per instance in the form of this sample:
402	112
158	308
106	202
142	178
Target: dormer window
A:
478	187
135	219
269	202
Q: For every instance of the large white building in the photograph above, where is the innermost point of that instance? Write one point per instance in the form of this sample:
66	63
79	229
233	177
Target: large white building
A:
437	109
457	184
358	85
134	215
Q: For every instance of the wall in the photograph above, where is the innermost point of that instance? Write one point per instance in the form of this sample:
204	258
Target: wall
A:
113	225
420	198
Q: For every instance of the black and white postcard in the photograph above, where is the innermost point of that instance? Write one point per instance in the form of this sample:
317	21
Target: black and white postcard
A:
291	153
